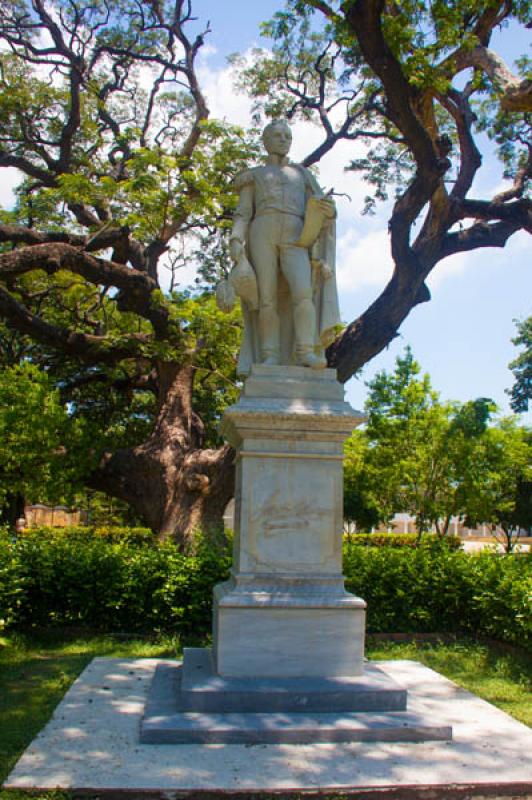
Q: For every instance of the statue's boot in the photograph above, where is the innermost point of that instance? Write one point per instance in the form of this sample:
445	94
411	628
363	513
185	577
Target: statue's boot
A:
272	359
307	357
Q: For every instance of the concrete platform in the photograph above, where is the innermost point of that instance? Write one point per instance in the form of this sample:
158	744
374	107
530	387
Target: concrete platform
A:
91	745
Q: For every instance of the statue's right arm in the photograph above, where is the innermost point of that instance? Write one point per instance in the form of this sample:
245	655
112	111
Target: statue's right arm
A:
244	212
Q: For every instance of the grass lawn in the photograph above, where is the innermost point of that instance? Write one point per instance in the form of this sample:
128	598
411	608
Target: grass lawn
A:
500	674
36	672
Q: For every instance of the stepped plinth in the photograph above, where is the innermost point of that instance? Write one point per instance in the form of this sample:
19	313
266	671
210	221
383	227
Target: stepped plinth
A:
287	661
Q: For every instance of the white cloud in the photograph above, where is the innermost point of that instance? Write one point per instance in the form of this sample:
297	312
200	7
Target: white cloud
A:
448	269
9	179
207	50
517	248
348	186
184	278
223	100
363	260
186	274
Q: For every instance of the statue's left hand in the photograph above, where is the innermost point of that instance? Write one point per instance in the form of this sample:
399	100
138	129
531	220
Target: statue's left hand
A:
225	296
326	272
328	207
237	249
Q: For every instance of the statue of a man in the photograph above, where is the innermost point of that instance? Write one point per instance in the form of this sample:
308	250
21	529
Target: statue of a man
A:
284	224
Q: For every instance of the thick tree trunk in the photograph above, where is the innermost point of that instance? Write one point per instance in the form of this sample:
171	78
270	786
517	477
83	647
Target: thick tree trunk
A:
12	509
174	485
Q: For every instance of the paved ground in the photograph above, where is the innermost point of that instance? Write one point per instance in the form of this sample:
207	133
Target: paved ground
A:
91	743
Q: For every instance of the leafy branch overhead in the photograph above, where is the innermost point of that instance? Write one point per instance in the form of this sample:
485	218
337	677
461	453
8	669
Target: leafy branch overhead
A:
102	113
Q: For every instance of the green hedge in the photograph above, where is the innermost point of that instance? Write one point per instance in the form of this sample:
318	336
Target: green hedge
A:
111	533
49	578
82	578
435	589
398	540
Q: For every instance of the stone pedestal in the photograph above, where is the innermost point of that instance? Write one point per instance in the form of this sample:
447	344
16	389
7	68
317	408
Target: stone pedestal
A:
285	612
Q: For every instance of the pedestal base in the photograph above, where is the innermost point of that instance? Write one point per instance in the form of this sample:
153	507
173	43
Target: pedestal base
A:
193	705
288	629
90	747
285	612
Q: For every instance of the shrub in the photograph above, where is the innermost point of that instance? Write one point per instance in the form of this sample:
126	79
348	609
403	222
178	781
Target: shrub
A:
111	533
12	584
399	540
435	589
83	578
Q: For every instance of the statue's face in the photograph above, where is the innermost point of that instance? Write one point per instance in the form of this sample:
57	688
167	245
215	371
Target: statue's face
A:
277	140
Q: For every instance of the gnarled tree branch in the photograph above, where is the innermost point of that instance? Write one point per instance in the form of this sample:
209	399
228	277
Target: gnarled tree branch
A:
516	93
137	287
88	348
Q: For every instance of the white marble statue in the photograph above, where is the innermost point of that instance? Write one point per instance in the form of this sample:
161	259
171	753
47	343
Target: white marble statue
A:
283	248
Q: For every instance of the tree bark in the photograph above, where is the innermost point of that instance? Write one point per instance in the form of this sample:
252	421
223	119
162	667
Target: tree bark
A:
12	509
174	485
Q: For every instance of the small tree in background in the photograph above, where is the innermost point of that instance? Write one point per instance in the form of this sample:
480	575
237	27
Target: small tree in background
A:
416	454
403	413
502	497
363	504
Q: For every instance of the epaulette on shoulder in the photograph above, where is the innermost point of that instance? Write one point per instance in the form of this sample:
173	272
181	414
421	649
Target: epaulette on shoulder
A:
243	178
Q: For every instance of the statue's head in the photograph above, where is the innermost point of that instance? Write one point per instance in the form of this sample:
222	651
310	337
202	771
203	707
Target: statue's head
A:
277	137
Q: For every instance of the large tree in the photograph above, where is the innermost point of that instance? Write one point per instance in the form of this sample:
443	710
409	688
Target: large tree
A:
102	113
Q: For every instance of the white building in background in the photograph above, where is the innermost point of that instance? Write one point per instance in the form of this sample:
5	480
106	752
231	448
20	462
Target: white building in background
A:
401	523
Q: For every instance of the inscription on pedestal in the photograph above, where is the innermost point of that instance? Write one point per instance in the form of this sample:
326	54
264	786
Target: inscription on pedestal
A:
289	513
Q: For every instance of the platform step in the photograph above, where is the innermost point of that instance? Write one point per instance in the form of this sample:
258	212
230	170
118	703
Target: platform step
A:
202	689
187	728
165	721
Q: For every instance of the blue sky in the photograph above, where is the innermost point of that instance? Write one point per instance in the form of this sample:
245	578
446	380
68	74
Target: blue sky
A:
462	337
